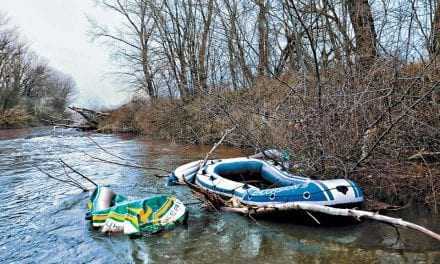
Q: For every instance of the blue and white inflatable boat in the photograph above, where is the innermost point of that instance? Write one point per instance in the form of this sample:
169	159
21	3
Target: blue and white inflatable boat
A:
261	183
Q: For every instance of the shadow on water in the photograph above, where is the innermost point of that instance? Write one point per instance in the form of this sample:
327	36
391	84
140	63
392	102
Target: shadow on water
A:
43	221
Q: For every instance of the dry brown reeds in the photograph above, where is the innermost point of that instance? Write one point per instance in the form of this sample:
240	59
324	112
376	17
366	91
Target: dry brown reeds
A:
14	117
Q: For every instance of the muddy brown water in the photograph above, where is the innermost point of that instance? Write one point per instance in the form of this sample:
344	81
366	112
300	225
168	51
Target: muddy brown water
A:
42	221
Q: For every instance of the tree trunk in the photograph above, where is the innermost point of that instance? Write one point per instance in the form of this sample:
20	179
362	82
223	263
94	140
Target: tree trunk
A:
144	37
364	31
231	56
263	41
434	48
148	78
286	54
247	76
203	47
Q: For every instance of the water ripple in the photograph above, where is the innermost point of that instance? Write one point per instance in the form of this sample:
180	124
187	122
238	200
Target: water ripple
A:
42	220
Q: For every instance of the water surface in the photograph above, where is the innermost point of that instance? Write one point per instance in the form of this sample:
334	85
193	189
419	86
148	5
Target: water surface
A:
42	220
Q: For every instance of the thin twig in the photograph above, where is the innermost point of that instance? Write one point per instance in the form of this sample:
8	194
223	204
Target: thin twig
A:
128	165
60	180
193	203
79	173
161	176
431	182
137	166
393	124
313	217
66	173
106	151
217	144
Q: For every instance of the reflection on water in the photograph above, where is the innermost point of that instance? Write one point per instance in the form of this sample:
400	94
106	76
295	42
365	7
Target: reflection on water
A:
43	221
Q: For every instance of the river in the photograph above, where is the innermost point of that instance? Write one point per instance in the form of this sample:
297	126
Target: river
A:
42	220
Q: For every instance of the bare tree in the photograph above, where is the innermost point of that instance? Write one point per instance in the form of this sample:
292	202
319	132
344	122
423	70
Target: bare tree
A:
263	38
134	39
435	33
363	26
26	81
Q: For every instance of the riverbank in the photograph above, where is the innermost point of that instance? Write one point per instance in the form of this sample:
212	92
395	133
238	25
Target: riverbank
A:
16	118
369	141
19	117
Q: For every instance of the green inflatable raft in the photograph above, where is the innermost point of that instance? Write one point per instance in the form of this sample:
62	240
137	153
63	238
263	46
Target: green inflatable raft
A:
114	213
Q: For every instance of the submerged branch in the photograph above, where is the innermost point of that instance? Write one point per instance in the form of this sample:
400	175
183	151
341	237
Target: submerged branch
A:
129	164
66	173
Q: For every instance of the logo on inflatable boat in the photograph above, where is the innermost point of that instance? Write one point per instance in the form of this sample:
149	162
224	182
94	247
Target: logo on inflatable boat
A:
306	195
272	196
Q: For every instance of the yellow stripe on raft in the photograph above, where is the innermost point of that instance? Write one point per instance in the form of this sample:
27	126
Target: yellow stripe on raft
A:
99	217
167	205
122	217
143	215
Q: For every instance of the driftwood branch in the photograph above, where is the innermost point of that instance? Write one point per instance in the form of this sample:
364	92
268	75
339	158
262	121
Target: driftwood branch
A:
106	151
92	118
357	214
79	173
216	145
216	202
68	182
81	127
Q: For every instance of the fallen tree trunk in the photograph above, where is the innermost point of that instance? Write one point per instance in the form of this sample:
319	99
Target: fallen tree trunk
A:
92	118
357	214
81	127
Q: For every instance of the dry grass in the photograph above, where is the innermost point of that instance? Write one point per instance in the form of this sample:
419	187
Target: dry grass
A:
14	118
